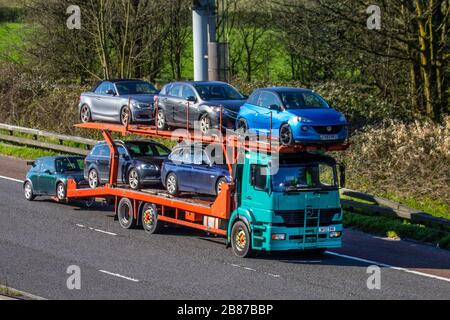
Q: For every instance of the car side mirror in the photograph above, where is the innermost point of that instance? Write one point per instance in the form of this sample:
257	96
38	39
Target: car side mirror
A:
342	177
111	92
191	99
48	171
274	107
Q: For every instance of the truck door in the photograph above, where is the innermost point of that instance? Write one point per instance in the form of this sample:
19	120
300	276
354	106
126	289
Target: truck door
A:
255	191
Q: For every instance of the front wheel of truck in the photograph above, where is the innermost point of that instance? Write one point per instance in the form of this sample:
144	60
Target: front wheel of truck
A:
241	240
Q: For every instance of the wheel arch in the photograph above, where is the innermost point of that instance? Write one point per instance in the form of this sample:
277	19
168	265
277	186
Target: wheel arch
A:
239	215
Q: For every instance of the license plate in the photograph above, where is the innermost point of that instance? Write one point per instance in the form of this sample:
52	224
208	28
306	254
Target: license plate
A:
328	137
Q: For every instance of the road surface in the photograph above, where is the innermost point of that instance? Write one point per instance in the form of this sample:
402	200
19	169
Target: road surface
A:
39	240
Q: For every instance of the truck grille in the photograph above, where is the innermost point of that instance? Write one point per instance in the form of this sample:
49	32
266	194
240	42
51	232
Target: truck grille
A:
296	218
328	129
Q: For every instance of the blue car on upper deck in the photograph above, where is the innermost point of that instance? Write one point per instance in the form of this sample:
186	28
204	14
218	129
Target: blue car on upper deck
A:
298	116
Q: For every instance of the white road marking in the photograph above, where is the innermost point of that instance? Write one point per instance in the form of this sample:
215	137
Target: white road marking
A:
12	179
118	276
96	230
388	266
106	232
254	270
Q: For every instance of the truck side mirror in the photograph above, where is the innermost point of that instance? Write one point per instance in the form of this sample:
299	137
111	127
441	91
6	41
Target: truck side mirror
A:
342	177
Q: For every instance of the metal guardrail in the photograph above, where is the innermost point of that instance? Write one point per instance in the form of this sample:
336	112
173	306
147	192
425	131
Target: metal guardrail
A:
382	206
36	134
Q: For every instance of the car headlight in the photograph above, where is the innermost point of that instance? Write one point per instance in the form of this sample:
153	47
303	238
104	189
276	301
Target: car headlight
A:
134	104
151	167
303	120
342	119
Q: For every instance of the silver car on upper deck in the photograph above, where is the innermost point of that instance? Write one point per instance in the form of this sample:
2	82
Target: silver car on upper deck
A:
124	101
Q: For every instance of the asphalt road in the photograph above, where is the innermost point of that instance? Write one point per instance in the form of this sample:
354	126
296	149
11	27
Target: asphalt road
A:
39	240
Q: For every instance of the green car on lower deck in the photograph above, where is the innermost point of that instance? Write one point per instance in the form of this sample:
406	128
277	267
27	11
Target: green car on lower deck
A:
287	202
48	176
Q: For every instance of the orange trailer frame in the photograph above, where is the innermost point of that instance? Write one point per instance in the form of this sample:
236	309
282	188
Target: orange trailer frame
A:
185	212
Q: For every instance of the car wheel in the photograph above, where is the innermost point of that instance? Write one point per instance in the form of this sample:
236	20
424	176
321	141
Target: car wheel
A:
205	124
242	126
28	191
240	240
93	178
134	180
219	186
125	116
286	137
125	213
161	121
149	219
61	191
172	184
85	114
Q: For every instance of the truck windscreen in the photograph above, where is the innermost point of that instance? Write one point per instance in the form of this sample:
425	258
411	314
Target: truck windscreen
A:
300	177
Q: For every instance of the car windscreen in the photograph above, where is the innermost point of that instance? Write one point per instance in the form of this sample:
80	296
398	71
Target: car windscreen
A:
303	100
145	149
218	92
69	164
305	176
135	87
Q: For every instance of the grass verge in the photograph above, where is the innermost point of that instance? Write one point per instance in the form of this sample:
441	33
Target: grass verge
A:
397	228
23	152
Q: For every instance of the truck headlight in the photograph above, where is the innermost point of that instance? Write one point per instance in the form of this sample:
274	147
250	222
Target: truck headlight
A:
278	236
335	234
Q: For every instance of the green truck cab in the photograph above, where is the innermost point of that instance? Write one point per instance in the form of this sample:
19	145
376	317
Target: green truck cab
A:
286	202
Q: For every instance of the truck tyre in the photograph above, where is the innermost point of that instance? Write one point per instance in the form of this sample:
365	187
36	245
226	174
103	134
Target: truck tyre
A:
172	184
28	191
241	240
125	213
149	218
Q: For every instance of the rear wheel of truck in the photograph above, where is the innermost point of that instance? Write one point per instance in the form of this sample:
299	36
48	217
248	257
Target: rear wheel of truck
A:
241	240
149	218
125	213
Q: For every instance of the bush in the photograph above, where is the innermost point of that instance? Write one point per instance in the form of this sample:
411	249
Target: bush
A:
11	14
408	160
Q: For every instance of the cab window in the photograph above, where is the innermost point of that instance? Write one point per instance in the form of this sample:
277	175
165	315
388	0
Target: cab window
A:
258	176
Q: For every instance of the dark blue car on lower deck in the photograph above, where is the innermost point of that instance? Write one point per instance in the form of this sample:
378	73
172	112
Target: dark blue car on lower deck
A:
193	168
